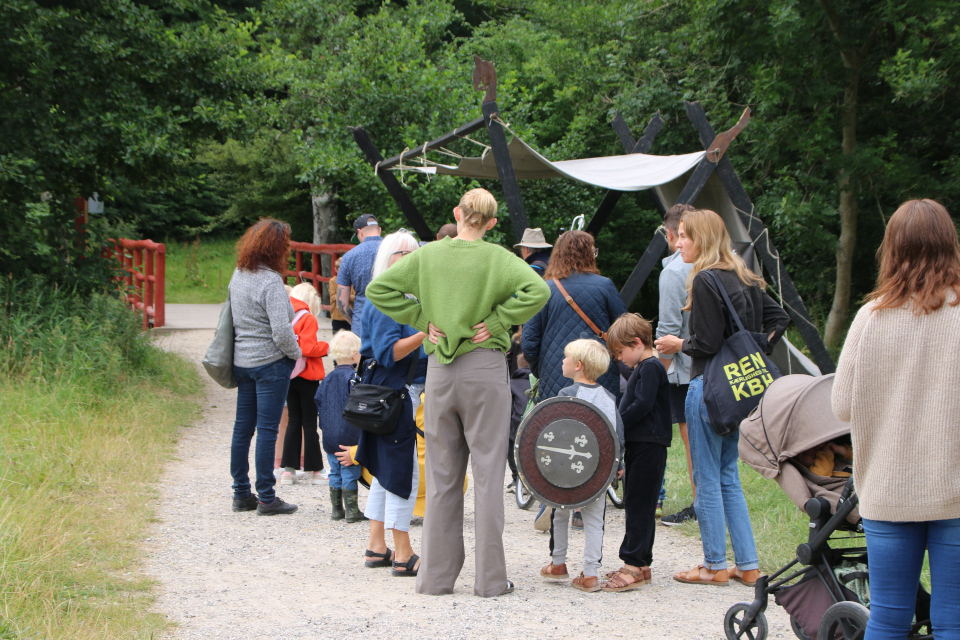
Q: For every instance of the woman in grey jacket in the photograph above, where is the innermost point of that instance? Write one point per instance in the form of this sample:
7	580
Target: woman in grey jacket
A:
264	353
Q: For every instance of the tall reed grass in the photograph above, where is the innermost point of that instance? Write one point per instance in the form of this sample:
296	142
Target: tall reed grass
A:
89	411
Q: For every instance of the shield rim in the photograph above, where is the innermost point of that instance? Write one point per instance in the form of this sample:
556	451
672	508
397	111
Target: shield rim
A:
610	427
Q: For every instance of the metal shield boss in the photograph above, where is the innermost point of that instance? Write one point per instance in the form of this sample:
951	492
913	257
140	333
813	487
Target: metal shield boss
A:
567	452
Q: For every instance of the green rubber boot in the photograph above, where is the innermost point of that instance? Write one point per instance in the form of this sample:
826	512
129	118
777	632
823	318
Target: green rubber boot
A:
336	499
353	510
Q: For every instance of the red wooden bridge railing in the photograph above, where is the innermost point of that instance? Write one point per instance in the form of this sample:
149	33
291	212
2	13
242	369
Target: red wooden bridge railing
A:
144	266
315	276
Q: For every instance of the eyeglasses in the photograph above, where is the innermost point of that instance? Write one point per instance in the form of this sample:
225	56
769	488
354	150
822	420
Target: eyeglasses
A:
596	252
400	253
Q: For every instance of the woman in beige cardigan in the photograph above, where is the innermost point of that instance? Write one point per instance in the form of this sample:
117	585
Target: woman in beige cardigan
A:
898	384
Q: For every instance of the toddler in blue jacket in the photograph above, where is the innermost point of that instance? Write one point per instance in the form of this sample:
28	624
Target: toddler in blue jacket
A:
339	436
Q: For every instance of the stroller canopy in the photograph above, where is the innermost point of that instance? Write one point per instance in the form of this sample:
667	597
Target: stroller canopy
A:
794	415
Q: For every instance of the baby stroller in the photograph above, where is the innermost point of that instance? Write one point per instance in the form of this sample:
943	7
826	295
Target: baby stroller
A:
825	589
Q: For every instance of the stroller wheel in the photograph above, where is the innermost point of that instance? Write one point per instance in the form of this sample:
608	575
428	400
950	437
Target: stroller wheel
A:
798	630
524	497
844	621
735	627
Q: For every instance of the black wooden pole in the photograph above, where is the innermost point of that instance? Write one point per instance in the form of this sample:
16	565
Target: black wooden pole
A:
611	198
776	272
508	178
442	141
394	188
658	245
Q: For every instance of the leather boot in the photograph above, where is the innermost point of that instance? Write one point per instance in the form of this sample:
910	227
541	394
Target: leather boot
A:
353	510
336	499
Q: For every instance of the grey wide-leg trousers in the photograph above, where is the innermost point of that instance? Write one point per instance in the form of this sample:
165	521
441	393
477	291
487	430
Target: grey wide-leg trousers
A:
466	413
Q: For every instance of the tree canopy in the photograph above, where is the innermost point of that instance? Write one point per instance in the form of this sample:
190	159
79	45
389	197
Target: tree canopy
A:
243	110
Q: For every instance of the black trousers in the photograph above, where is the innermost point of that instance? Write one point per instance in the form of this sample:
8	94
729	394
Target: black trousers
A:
339	325
644	464
302	420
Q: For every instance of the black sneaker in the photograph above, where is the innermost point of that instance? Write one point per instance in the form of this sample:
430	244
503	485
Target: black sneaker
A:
245	504
679	517
576	522
276	507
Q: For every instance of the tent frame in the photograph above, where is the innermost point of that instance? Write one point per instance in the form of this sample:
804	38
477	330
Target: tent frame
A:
715	161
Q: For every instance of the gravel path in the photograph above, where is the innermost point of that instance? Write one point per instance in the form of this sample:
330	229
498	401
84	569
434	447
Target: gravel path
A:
225	575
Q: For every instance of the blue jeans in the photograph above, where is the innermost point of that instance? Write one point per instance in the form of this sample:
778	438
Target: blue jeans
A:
720	503
342	477
261	392
896	552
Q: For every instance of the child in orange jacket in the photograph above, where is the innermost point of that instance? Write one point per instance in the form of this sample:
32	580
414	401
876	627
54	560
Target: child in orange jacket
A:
300	406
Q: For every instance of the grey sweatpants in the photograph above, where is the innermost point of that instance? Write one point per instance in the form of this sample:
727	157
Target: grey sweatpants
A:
592	533
466	407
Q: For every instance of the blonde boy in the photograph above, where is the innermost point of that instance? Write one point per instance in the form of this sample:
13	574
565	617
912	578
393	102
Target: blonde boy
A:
584	361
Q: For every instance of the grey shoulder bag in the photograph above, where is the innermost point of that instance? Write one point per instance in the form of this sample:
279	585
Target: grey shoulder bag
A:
219	359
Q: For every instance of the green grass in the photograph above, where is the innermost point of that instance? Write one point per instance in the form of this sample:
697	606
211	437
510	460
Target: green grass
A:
198	271
89	412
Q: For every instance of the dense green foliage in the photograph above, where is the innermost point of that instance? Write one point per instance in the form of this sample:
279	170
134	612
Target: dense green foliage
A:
849	97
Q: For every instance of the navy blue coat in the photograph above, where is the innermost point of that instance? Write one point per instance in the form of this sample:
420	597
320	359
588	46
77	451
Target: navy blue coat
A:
557	324
390	458
330	399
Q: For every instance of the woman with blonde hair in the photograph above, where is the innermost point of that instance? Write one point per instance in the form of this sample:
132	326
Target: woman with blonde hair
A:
720	505
896	384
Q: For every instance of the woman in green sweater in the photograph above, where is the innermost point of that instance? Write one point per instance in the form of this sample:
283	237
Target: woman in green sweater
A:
468	294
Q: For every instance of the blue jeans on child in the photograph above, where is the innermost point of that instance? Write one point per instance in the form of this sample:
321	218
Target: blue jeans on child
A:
342	477
896	553
261	392
720	503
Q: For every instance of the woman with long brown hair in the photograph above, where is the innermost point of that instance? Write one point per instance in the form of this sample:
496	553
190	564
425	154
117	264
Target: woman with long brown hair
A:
897	384
720	504
264	353
574	264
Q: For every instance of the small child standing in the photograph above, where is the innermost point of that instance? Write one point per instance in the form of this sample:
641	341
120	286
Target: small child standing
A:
339	436
301	412
648	430
584	361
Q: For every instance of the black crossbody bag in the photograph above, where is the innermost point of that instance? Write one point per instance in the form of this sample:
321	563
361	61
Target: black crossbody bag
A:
376	408
736	376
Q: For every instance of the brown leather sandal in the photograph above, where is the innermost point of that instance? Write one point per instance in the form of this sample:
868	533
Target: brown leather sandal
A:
619	583
748	577
717	578
586	583
647	575
555	572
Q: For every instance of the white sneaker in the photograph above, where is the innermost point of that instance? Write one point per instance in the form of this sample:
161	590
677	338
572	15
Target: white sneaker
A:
317	477
288	478
325	473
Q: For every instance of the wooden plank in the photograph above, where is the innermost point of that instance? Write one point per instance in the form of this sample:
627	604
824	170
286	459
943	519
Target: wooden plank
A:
611	198
442	141
777	274
508	178
641	272
394	188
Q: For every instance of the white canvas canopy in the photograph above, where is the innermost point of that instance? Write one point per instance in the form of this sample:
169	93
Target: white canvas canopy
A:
634	172
667	175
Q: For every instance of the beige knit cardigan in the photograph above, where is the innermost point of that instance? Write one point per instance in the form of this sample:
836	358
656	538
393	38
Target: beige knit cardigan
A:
898	384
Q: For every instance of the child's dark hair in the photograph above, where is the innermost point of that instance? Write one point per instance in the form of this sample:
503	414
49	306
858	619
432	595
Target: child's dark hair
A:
626	330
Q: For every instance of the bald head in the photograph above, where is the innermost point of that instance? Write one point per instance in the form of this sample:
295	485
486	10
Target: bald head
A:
448	230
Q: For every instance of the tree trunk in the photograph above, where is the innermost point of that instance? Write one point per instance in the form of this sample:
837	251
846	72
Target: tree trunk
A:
849	207
324	226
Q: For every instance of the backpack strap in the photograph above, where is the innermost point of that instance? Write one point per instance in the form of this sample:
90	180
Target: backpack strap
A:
590	323
297	316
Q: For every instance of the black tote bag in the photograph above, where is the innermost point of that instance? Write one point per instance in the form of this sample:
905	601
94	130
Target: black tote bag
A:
736	376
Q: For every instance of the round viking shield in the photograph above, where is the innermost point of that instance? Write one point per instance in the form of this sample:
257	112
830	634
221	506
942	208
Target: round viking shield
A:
567	452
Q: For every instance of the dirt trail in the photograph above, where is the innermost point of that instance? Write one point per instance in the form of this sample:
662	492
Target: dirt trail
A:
225	575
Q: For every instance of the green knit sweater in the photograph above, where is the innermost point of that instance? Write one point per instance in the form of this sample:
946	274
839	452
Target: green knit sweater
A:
458	284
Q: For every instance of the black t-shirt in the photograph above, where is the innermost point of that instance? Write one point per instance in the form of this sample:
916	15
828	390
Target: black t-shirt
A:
645	408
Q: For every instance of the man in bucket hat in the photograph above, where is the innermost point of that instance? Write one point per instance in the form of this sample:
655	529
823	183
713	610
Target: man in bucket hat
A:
533	249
